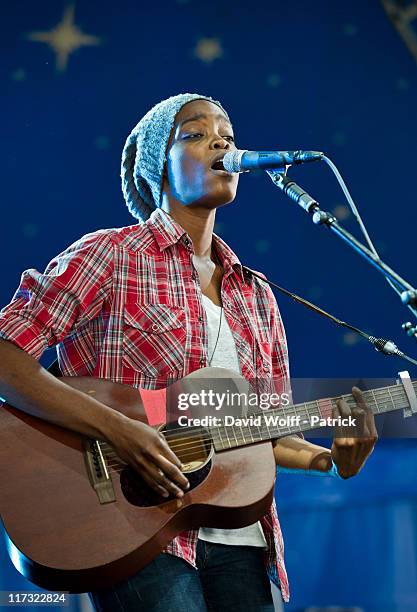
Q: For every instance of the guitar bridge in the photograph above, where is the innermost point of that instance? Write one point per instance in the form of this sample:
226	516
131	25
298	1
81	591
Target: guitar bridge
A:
97	471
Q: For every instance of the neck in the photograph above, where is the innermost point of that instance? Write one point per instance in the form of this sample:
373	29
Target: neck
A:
197	222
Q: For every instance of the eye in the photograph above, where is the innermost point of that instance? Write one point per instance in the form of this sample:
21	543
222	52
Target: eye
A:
230	138
193	135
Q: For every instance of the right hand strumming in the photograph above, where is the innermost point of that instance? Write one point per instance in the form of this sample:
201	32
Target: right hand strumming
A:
147	451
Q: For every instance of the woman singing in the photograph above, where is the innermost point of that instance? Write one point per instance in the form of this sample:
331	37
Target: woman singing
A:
146	305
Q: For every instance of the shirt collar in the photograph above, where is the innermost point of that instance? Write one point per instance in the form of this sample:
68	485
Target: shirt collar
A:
168	232
228	258
165	230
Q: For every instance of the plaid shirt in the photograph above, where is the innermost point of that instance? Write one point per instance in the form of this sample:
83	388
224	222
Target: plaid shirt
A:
125	304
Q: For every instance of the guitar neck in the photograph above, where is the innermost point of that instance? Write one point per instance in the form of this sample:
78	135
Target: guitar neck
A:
279	422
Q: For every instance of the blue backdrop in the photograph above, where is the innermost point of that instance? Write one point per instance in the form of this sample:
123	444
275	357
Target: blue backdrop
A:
329	75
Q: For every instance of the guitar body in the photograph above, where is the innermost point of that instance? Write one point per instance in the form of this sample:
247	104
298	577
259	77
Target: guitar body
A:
61	537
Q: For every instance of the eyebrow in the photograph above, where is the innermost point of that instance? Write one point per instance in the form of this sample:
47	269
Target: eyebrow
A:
204	116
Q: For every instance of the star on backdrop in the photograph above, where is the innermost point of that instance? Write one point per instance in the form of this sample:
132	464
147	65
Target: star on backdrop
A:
65	38
273	80
403	16
350	29
208	49
19	75
350	339
341	211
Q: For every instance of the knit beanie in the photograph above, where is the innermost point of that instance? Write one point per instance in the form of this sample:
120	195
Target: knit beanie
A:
144	154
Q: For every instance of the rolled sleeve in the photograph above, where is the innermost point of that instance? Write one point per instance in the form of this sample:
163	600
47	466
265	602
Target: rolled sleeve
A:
50	306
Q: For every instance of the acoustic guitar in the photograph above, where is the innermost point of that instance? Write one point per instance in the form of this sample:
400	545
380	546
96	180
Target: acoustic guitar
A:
78	518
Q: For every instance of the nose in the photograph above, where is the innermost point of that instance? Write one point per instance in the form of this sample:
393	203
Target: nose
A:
219	142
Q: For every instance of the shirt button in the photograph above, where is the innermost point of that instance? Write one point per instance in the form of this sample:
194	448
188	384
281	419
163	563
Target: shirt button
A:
202	361
200	318
187	242
155	327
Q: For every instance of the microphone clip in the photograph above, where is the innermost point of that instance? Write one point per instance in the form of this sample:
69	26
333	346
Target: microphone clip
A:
293	191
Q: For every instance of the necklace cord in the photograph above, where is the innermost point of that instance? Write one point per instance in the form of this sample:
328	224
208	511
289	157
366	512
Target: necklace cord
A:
218	336
216	262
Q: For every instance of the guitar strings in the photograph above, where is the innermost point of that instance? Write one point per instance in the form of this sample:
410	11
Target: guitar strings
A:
199	430
193	446
397	394
196	430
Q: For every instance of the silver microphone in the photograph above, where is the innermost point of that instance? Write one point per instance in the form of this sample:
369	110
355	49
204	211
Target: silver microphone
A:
244	161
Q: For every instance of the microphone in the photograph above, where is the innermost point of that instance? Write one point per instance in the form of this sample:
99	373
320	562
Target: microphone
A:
244	161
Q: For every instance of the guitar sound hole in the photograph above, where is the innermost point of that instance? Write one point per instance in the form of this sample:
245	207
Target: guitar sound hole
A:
138	493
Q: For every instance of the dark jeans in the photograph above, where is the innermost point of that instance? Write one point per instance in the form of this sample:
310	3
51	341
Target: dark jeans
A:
231	578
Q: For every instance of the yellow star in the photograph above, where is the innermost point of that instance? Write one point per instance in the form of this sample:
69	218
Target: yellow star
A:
208	49
65	38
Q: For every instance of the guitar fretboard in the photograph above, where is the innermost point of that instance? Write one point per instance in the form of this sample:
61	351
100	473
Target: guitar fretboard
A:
279	422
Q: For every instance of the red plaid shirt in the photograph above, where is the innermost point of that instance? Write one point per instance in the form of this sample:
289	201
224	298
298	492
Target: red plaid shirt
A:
125	304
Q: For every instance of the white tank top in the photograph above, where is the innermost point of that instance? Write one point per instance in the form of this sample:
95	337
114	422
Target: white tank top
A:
225	356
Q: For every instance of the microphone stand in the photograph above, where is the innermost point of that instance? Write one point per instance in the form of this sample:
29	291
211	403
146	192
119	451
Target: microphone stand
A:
326	219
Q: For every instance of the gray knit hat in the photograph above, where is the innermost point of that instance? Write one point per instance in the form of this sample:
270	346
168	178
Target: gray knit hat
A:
144	154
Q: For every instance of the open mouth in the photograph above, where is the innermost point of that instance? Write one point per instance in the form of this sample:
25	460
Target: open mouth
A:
218	168
218	165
